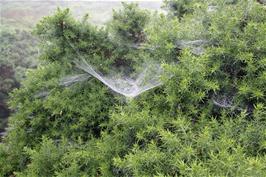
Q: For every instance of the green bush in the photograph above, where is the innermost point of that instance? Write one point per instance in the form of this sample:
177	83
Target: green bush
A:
208	119
128	23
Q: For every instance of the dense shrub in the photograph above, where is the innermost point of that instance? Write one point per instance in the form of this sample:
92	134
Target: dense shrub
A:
208	119
128	24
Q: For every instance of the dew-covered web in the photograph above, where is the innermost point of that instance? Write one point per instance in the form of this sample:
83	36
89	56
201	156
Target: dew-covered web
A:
119	82
129	87
148	78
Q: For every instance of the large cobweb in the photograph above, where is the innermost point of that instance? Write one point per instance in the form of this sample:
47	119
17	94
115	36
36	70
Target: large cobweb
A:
129	87
148	78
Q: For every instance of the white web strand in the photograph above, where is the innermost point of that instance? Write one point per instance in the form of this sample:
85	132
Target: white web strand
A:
223	101
69	80
129	87
125	86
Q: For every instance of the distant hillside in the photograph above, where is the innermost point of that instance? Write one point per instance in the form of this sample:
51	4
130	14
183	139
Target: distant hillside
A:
27	13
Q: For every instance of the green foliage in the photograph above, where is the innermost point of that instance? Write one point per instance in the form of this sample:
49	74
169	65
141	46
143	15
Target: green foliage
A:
128	23
237	59
179	8
126	30
47	155
208	119
61	30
